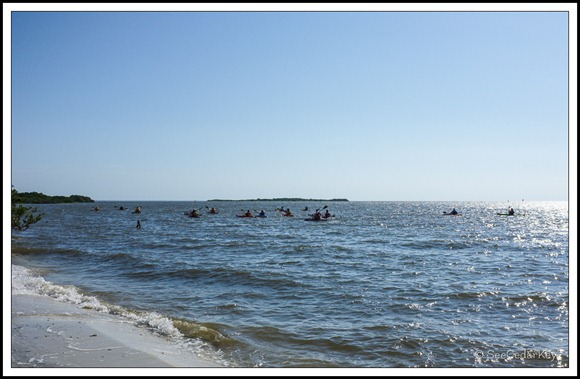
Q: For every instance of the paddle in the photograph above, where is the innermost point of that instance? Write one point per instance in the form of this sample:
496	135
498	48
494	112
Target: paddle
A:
318	211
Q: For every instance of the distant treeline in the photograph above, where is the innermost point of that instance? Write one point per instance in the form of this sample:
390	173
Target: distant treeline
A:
40	198
281	199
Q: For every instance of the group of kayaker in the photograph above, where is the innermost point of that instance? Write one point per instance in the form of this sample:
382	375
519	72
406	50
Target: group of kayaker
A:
286	212
262	213
195	212
317	216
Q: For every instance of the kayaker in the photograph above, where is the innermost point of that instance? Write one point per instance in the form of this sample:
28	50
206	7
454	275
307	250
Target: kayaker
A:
453	212
262	213
248	213
288	212
213	210
194	213
511	211
327	214
317	215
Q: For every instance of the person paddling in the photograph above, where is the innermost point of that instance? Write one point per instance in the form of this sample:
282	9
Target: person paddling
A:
317	215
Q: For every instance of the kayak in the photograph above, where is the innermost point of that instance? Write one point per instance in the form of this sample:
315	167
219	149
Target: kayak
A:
320	219
262	216
191	214
505	214
245	216
451	214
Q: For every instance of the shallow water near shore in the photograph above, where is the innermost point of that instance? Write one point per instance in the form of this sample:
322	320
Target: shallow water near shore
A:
383	284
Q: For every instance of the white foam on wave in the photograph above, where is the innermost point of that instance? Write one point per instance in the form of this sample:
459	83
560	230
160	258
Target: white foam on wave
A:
26	281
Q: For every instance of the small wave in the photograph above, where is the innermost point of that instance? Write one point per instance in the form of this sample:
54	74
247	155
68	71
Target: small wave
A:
272	334
206	333
26	282
537	300
122	257
380	328
227	275
472	295
22	250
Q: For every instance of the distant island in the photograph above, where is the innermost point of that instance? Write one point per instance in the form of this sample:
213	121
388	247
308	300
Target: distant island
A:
40	198
283	199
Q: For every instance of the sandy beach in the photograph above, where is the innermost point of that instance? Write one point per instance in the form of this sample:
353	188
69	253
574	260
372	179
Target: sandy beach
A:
50	334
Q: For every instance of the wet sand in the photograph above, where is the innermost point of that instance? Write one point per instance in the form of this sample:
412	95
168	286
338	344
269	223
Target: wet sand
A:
48	333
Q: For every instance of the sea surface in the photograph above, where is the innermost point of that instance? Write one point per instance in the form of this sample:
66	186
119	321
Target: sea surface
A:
383	284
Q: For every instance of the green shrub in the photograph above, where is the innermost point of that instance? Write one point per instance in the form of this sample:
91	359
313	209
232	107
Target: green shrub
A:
23	217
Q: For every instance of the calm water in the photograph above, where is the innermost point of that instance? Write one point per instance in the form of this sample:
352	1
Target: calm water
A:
384	284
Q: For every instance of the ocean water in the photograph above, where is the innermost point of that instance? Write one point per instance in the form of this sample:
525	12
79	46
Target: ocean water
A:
383	284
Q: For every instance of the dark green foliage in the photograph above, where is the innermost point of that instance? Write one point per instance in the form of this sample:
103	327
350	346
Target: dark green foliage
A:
40	198
23	217
284	199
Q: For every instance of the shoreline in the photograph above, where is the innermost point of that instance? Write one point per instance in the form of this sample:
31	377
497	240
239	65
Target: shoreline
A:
46	333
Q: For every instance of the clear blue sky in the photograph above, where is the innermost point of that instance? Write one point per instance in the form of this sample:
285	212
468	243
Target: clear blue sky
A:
238	105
